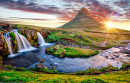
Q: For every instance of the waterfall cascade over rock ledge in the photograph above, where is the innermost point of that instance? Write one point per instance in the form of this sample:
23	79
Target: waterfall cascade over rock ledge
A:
41	40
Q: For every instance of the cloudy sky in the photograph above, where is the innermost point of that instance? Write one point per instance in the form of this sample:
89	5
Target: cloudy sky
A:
54	13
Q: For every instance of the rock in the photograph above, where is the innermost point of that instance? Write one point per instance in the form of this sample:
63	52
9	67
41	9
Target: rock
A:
128	46
1	39
42	60
106	57
112	58
30	68
103	44
128	55
40	66
61	56
81	37
54	49
53	67
116	55
77	36
5	77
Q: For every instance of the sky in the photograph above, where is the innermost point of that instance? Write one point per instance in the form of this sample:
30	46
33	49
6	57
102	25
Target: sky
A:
55	13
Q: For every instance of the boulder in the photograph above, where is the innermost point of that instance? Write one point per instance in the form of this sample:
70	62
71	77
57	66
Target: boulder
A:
128	55
40	66
42	60
1	39
53	67
128	46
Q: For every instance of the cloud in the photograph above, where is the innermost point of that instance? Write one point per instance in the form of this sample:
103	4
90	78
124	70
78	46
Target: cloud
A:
67	9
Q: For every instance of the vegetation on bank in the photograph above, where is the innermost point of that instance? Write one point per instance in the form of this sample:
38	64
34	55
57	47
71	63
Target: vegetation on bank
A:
22	75
90	39
63	51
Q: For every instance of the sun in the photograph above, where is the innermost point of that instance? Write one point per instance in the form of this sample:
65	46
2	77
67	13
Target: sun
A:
109	24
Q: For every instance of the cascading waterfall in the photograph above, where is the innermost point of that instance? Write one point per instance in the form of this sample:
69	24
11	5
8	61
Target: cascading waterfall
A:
7	39
41	40
23	43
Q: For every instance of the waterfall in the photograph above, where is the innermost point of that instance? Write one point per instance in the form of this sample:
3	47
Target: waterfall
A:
41	40
7	39
23	43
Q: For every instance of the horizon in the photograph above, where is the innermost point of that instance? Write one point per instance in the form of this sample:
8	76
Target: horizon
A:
53	13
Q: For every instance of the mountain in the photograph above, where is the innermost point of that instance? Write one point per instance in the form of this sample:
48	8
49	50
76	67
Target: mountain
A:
85	21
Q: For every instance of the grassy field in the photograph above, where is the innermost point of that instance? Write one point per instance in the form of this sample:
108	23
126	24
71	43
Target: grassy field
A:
83	38
63	51
39	77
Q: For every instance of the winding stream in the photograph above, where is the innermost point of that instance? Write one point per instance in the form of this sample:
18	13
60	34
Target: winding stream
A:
67	65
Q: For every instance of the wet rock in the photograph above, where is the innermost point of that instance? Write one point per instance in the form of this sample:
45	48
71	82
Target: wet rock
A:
30	68
116	55
112	58
53	67
128	46
61	56
106	57
40	66
128	55
42	60
54	49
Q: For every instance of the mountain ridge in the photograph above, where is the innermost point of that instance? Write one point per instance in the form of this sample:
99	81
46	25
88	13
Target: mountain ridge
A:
85	21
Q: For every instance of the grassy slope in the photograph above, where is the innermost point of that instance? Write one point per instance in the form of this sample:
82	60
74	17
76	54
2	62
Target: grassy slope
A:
90	38
71	51
30	76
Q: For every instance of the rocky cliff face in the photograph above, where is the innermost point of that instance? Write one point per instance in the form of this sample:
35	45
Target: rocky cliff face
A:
31	36
3	46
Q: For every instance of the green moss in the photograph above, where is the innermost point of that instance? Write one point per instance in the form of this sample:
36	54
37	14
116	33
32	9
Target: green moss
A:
71	51
0	27
31	77
12	35
88	71
19	32
49	71
94	80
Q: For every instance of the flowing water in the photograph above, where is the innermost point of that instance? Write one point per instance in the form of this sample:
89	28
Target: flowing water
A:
23	43
41	40
31	58
8	39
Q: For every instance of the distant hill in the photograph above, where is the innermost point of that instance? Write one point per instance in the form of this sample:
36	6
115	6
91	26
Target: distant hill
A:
85	21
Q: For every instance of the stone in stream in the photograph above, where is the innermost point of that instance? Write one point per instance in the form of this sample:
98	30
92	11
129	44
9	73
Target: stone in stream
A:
128	46
40	66
128	55
42	60
53	67
116	55
112	58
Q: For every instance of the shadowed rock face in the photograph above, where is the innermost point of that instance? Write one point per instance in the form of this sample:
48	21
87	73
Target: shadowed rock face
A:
84	20
3	46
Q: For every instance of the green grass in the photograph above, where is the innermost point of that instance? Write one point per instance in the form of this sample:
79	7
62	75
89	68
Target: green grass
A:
35	77
59	50
93	71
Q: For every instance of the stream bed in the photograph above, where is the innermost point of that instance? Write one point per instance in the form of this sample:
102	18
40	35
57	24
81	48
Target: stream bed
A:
67	65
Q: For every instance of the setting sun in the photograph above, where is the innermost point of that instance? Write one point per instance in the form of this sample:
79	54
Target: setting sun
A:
109	24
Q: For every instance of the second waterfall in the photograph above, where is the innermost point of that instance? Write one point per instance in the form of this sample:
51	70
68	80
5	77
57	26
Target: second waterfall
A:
23	43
